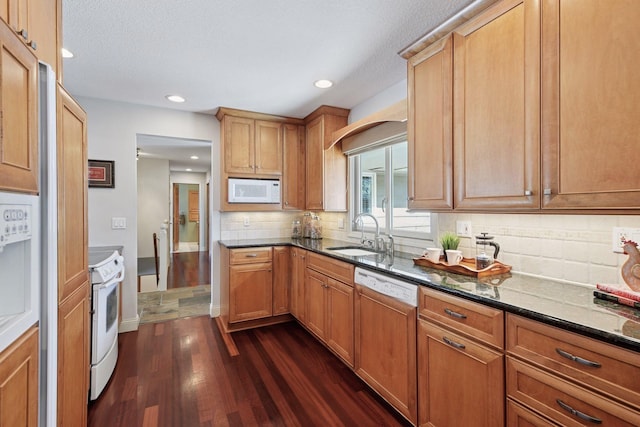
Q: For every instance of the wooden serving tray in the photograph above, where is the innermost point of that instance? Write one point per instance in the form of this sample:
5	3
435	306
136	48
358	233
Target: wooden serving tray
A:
466	267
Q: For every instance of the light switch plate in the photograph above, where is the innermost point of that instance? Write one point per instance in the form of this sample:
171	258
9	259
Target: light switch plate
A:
118	223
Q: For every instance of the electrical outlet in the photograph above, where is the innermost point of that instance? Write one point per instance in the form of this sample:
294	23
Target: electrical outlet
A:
341	223
245	221
463	228
622	234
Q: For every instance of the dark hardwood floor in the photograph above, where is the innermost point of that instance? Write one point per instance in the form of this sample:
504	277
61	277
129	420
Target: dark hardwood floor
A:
179	374
189	269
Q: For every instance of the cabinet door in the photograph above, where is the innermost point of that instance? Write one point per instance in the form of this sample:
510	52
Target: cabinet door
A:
315	164
496	98
19	381
430	129
281	279
293	182
73	358
335	175
238	145
340	319
43	31
298	270
15	13
268	148
385	339
72	196
19	114
315	299
250	291
461	383
590	107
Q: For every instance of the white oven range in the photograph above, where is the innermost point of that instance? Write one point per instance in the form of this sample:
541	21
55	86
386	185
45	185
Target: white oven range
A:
107	271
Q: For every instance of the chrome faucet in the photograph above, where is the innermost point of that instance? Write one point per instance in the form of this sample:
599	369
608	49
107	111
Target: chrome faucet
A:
378	243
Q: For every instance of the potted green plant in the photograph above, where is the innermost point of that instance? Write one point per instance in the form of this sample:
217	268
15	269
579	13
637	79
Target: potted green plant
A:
449	240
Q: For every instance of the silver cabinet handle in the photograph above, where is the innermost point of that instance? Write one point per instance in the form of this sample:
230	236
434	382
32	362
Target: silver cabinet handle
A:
578	414
251	255
452	343
455	314
23	33
528	192
577	359
547	192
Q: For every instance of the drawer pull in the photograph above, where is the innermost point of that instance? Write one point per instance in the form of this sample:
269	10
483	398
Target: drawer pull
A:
453	343
251	255
580	360
455	314
578	414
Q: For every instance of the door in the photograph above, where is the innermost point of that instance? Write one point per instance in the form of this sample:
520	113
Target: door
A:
176	216
194	211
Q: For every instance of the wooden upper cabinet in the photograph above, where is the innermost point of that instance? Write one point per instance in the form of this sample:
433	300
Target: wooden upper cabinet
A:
73	258
293	183
36	23
239	146
268	151
19	114
496	99
326	170
252	146
429	132
590	108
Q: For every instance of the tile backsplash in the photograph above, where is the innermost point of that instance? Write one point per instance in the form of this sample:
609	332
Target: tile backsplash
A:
574	248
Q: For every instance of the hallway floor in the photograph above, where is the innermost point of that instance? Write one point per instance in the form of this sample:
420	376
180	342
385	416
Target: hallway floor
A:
174	303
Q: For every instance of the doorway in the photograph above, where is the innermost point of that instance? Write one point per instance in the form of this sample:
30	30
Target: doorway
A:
186	218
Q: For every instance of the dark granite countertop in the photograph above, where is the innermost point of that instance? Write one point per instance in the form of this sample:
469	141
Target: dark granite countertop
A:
566	305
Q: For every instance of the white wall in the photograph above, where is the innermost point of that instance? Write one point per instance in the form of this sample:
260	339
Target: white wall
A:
153	201
112	130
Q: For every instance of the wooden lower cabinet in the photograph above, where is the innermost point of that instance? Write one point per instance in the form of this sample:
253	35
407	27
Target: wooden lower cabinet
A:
519	416
461	383
562	401
385	348
19	381
571	379
73	358
329	313
281	275
298	270
250	291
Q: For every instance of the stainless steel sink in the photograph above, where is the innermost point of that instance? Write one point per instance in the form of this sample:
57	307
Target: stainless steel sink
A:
352	251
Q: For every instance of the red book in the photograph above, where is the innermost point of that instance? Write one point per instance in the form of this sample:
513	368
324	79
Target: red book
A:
615	298
620	291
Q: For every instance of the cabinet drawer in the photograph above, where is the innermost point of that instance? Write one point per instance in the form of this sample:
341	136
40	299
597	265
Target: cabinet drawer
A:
592	363
519	416
475	320
333	268
562	401
249	255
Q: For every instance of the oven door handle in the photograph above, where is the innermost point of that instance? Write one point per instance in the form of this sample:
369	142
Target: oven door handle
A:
114	281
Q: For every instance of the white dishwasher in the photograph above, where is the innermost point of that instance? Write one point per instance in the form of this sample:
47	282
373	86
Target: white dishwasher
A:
385	338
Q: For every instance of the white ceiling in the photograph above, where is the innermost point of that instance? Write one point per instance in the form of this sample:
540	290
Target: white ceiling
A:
253	55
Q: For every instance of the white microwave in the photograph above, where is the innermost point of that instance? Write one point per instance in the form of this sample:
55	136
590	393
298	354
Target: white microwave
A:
253	190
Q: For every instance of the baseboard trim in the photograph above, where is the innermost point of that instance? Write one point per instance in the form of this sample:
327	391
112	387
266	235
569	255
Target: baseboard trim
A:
129	325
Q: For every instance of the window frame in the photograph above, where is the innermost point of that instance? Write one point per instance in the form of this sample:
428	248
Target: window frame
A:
355	206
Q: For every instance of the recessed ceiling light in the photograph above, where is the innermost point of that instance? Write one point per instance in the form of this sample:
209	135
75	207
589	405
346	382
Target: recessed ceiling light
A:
188	169
323	84
66	53
194	157
175	98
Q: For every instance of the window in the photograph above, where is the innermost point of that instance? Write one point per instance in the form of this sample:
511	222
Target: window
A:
379	187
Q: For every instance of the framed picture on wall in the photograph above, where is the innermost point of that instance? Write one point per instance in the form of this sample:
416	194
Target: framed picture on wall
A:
101	173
